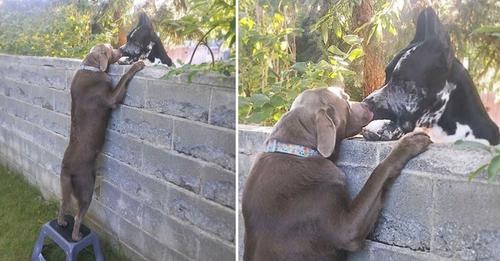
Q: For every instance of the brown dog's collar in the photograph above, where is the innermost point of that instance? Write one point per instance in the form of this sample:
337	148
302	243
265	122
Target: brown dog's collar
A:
89	68
294	149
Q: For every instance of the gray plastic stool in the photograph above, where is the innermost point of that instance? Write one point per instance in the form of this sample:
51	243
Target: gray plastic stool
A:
62	237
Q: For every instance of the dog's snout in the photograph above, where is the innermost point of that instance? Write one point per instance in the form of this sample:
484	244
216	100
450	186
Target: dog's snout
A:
368	102
367	110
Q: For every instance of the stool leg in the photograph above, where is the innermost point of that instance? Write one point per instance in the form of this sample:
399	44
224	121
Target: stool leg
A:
37	250
71	255
97	249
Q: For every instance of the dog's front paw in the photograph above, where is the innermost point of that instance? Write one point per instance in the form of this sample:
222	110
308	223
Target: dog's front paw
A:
414	143
137	66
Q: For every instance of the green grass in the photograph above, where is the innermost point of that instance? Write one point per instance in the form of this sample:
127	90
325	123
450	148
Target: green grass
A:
23	211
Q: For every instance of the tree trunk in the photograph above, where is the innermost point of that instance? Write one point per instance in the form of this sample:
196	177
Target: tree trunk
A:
373	69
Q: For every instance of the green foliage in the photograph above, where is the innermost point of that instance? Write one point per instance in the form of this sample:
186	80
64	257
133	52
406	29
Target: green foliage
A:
64	31
270	76
69	28
202	20
492	168
283	43
191	70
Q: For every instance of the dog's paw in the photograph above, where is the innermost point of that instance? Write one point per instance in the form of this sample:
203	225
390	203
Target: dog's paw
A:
137	66
76	236
414	143
62	223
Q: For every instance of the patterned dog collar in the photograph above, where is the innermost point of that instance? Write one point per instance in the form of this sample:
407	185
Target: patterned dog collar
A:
89	68
297	150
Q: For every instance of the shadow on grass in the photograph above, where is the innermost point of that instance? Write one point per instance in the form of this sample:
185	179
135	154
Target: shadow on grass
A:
23	211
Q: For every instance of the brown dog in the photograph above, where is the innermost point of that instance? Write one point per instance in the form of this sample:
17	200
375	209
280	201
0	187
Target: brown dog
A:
92	98
297	207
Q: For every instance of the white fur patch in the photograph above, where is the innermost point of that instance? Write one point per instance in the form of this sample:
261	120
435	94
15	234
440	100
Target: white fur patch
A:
381	130
376	125
404	57
463	132
430	118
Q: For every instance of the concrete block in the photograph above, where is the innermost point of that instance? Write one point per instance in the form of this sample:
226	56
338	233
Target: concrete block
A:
172	167
213	79
204	142
212	249
51	141
150	191
358	152
104	217
62	101
399	224
449	159
17	108
466	220
376	251
56	122
155	72
136	93
123	148
121	203
245	162
51	163
41	76
117	69
205	215
153	128
222	108
42	97
36	61
171	233
22	128
218	185
17	90
252	138
186	101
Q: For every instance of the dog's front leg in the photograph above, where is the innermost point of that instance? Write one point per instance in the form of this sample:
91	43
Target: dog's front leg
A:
363	211
118	94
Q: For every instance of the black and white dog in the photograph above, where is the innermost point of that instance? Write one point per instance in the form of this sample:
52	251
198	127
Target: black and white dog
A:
142	43
426	87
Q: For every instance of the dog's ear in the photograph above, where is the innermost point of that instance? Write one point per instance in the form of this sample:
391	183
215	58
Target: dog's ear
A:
429	26
326	134
102	59
144	20
97	57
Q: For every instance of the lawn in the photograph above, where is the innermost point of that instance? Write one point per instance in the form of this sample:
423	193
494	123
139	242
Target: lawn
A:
23	211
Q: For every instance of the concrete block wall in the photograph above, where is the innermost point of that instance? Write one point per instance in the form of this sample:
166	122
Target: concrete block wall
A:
166	177
432	211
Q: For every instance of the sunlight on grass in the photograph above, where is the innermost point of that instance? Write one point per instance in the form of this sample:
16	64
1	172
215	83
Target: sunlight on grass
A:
23	211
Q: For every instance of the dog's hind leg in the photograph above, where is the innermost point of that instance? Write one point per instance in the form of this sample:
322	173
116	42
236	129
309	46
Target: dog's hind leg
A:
83	192
66	190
